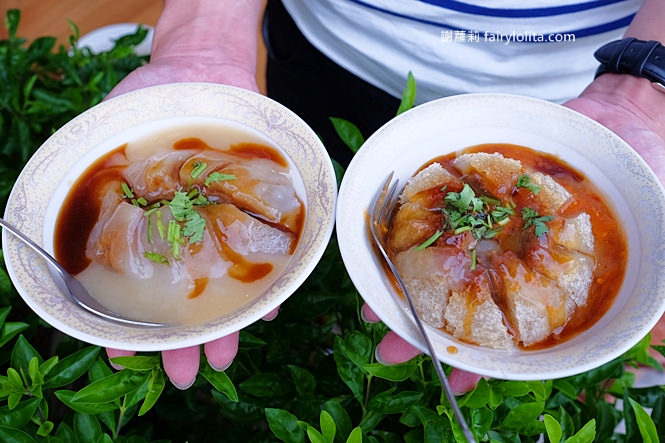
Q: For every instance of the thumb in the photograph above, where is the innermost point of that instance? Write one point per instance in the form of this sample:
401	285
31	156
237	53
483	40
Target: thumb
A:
462	381
112	353
393	349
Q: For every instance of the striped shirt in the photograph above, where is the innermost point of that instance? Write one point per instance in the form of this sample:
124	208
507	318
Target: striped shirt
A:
454	47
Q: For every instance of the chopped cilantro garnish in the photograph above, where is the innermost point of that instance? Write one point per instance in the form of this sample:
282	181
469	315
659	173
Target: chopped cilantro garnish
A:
187	224
532	218
161	229
464	200
523	181
199	167
181	206
174	237
429	241
126	191
150	229
194	227
156	258
218	177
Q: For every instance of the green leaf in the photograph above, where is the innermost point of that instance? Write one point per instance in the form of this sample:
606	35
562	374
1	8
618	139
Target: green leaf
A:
284	425
46	367
220	381
14	379
133	398
409	94
341	417
523	415
266	385
348	371
477	398
610	370
4	312
22	353
567	388
105	438
65	396
481	422
314	435
65	433
33	369
156	384
12	19
248	341
358	348
348	132
328	428
389	402
398	372
607	419
137	362
303	380
514	388
45	428
98	370
71	367
586	434
13	400
110	388
14	436
356	436
20	415
87	427
644	423
553	428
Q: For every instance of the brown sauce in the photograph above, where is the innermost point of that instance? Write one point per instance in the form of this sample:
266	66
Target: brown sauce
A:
81	209
610	245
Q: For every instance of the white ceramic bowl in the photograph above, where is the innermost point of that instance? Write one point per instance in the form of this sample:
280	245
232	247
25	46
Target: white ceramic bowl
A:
41	187
450	124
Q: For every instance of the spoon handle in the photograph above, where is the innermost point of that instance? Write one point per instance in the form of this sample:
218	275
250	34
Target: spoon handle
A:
72	287
38	249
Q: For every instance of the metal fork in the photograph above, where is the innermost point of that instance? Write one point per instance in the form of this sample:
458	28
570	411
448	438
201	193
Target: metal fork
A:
380	211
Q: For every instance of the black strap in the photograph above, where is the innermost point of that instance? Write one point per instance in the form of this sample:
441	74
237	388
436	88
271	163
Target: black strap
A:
634	57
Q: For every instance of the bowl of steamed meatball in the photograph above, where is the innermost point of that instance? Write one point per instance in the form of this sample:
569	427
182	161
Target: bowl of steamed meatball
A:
523	232
196	206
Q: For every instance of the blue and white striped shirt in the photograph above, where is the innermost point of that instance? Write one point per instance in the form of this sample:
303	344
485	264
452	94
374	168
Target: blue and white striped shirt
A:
456	46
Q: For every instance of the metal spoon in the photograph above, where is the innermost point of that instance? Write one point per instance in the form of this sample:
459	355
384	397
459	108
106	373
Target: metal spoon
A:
73	288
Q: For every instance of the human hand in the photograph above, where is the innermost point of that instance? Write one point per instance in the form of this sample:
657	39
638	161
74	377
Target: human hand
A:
182	365
205	41
171	69
632	109
393	349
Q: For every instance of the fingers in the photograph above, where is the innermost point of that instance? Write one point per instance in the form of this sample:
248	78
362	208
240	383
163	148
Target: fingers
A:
461	381
368	315
221	352
112	353
657	337
181	366
271	315
393	350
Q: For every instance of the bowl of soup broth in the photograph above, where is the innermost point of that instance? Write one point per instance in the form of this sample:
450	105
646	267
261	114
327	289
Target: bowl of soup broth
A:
516	232
198	206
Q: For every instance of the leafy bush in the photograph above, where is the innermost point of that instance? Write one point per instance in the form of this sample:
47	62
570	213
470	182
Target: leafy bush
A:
309	375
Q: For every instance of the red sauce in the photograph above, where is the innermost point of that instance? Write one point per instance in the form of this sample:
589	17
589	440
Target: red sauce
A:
610	246
82	206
